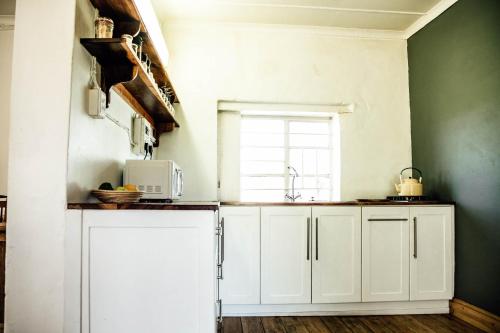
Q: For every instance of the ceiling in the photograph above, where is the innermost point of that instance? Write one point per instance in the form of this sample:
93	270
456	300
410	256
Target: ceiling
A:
393	15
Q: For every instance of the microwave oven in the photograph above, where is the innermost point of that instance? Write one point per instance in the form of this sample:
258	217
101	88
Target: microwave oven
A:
158	179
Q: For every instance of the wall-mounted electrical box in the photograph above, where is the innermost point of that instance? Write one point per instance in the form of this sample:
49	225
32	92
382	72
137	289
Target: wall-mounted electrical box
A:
143	136
97	103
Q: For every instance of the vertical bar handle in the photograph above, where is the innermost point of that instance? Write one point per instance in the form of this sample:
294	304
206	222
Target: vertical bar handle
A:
317	240
219	312
415	237
308	235
222	241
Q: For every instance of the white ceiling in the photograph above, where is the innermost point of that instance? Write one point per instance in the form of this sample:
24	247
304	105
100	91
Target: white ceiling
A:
393	15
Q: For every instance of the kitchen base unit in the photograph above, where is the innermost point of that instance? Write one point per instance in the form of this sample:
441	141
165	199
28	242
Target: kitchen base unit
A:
351	259
148	271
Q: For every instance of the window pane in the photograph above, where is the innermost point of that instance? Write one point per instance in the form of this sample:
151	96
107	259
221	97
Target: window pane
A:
297	184
323	162
263	154
262	140
323	182
308	140
262	195
257	167
295	157
309	161
309	182
323	195
269	183
309	127
260	125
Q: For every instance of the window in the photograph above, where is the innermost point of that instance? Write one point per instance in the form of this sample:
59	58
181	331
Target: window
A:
269	145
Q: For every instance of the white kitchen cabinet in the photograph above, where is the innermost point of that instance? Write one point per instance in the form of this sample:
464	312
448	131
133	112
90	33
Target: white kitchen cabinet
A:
385	254
286	255
431	246
148	271
241	268
336	261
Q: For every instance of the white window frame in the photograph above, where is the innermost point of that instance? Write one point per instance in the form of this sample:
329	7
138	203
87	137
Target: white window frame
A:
287	147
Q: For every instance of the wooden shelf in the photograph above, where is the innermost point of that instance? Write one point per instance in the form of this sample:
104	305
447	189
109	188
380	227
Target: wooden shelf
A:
127	20
122	70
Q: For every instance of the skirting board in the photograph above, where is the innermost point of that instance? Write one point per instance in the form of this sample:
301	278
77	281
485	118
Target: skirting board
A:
475	316
344	309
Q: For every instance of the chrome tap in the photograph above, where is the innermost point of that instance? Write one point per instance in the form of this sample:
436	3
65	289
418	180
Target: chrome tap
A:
292	197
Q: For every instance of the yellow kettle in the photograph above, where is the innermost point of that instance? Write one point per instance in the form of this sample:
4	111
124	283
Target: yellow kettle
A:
409	186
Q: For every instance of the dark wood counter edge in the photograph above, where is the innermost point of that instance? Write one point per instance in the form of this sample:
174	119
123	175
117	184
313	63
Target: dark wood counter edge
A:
144	206
340	203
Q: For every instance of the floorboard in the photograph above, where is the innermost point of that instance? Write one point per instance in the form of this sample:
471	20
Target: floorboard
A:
271	325
348	324
251	325
314	324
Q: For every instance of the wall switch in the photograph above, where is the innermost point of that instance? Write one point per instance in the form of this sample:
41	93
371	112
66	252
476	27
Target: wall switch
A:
97	103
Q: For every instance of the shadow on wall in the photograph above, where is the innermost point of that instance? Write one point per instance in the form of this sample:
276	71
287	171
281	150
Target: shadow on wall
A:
107	173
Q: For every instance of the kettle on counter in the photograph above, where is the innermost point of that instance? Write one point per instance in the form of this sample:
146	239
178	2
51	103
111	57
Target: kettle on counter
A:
409	186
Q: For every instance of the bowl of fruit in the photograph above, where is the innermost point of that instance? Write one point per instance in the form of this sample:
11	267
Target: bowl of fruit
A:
122	194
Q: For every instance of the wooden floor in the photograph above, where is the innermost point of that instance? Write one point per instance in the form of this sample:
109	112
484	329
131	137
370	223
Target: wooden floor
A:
362	324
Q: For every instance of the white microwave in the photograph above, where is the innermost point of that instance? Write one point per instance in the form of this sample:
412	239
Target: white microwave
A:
158	179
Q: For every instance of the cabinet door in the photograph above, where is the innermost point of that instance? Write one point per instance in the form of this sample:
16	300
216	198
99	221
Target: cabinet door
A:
148	271
241	268
431	245
336	262
286	255
385	253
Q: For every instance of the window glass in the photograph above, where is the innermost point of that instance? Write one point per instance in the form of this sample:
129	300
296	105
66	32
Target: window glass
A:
270	145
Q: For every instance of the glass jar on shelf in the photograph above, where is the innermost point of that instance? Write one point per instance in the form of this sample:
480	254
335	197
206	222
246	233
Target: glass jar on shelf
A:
103	27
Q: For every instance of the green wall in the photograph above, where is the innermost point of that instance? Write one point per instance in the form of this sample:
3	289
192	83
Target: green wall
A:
454	65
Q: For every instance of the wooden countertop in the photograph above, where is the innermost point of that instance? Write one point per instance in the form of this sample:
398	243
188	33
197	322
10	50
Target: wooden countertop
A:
339	203
146	206
213	205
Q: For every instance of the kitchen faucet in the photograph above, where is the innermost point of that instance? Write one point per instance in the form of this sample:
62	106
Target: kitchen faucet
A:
294	174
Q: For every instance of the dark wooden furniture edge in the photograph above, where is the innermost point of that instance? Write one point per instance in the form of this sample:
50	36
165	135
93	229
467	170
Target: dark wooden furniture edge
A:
475	316
143	206
338	203
128	20
124	72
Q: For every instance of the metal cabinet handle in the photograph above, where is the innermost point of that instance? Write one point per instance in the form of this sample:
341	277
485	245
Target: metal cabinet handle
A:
222	241
219	312
415	237
308	235
220	273
373	220
317	240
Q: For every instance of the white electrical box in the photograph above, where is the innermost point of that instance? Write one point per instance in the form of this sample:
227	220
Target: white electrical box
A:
97	103
143	136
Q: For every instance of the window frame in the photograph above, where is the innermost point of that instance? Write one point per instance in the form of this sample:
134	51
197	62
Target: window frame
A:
286	147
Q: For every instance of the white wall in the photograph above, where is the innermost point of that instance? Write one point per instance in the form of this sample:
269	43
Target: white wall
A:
6	44
226	62
40	105
98	148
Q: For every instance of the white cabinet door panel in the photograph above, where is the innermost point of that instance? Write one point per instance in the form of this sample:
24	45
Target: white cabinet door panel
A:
241	268
431	262
286	255
385	253
336	265
148	271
